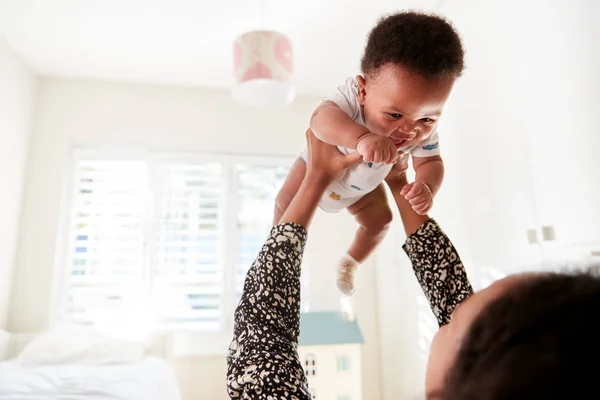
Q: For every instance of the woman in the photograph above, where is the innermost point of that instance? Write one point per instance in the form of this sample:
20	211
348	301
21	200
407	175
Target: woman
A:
501	343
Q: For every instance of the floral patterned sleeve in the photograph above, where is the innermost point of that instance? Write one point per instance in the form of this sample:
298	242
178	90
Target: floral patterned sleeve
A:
262	361
438	269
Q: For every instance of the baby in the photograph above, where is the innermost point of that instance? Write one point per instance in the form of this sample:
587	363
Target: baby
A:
409	67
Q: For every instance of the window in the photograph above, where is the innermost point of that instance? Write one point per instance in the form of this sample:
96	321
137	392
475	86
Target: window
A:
344	363
310	366
187	223
344	397
106	236
167	238
256	192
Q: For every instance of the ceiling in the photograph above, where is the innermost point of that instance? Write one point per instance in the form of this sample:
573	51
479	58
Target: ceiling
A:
189	42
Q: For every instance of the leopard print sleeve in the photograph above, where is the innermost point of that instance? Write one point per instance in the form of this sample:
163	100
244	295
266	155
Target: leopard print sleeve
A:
262	361
438	269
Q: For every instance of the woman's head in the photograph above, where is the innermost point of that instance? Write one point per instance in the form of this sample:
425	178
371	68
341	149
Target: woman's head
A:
527	336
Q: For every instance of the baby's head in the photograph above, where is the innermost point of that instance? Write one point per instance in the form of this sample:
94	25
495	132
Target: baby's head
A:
409	67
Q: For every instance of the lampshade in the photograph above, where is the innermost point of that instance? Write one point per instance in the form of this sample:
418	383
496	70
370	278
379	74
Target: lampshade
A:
263	66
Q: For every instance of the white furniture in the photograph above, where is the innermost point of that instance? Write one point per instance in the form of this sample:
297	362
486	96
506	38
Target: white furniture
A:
148	379
81	364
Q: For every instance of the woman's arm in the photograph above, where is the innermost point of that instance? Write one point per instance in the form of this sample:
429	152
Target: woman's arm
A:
324	165
262	357
304	204
262	361
436	262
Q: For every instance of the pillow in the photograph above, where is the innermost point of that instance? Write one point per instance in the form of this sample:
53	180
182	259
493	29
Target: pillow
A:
76	344
4	344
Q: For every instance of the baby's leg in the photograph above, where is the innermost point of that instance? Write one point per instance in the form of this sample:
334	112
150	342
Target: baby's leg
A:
289	189
373	214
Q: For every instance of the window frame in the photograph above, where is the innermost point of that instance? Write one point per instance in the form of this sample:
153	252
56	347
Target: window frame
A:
228	235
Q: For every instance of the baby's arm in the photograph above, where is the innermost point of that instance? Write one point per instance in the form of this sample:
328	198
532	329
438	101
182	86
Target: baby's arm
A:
334	126
430	171
429	176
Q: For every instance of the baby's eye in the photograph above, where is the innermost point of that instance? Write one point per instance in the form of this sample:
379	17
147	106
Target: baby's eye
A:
395	115
428	120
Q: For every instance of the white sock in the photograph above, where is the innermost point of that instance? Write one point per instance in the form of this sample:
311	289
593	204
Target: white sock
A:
351	260
347	266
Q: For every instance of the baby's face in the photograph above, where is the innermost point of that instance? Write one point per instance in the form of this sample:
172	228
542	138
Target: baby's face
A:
402	105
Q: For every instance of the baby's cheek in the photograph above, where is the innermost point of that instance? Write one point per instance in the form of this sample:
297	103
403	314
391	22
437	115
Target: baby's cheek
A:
424	135
383	128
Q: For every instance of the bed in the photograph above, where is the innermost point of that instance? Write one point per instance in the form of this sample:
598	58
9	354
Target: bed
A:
148	379
88	368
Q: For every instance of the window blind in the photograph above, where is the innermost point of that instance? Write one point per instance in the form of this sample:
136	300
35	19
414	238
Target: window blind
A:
176	238
188	273
106	236
258	186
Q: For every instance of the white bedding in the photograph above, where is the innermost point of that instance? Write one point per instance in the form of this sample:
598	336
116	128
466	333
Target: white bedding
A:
148	379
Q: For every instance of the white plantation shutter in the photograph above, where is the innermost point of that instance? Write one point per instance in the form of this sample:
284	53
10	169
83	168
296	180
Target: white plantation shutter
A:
258	186
175	238
106	236
188	264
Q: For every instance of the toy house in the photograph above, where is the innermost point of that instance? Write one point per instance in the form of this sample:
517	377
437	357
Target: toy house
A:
330	350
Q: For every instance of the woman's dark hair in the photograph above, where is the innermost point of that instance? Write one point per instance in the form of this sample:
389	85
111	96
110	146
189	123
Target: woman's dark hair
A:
424	43
539	341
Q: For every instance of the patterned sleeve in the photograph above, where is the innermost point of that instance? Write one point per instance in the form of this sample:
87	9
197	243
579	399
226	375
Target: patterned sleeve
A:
439	269
262	361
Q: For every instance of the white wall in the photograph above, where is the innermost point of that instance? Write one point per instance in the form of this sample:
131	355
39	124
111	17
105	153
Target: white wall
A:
85	113
519	137
17	90
559	87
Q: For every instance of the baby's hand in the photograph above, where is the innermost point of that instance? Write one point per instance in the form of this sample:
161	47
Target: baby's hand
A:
377	148
419	196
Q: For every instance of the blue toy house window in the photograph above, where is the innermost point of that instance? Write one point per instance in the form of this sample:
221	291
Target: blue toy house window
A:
344	363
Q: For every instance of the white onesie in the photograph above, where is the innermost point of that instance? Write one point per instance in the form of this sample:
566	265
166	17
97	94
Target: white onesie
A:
363	178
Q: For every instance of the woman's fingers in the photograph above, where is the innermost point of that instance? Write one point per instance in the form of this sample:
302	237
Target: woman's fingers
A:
327	158
352	159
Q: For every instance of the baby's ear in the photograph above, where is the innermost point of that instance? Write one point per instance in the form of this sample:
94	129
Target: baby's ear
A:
362	91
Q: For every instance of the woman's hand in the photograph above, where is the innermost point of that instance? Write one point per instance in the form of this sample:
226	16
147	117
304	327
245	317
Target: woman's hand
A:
325	162
396	178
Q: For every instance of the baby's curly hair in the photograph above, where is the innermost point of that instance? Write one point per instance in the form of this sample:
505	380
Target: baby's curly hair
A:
424	43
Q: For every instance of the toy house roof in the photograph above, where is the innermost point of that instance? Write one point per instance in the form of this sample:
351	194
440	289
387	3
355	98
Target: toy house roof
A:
325	328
